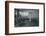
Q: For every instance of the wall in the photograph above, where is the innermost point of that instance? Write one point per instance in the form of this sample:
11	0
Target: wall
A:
2	18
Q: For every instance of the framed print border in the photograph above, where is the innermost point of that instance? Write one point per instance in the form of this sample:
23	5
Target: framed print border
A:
7	17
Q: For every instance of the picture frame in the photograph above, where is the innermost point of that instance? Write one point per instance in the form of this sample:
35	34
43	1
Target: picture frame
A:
24	8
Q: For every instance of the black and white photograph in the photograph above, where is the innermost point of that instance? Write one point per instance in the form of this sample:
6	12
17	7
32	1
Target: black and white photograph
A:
26	17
